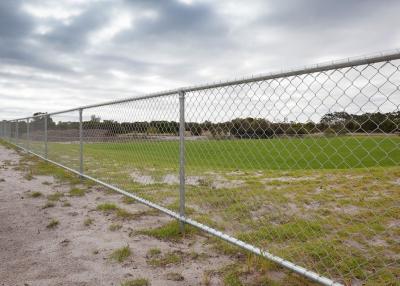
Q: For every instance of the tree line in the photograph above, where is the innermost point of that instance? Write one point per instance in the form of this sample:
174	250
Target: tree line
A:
330	123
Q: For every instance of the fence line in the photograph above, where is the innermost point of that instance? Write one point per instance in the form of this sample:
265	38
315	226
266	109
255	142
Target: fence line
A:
257	158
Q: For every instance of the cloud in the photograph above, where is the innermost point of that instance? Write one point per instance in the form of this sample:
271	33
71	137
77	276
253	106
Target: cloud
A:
62	54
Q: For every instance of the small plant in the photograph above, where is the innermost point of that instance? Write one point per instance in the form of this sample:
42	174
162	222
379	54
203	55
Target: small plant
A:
170	231
153	252
48	205
55	197
115	227
28	176
121	254
53	224
66	204
173	276
36	194
75	192
88	221
124	214
128	200
136	282
158	260
107	207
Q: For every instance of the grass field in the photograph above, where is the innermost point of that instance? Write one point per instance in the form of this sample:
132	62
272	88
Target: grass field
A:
328	204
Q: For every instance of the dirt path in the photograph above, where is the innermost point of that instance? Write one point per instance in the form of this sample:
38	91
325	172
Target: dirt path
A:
73	253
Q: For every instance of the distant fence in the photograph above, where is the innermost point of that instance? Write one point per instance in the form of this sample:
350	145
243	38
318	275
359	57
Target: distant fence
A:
300	167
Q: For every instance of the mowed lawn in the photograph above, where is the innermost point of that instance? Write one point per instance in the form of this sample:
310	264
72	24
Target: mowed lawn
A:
274	154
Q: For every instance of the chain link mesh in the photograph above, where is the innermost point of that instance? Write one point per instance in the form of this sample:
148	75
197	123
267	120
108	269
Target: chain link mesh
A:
305	166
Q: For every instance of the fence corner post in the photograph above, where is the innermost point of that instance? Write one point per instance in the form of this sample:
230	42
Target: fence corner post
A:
182	158
80	144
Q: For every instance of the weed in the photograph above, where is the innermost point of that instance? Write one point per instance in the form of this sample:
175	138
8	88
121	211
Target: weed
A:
121	254
88	221
170	231
36	194
66	204
128	200
75	192
55	196
48	205
114	227
162	260
124	214
52	224
153	252
173	276
107	207
136	282
28	176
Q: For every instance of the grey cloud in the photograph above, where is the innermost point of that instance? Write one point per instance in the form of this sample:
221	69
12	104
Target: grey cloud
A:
184	45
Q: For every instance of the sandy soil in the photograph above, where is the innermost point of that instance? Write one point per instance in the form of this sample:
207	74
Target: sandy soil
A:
75	254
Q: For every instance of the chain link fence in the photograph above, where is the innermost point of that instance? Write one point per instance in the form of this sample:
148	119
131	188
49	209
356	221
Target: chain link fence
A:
300	167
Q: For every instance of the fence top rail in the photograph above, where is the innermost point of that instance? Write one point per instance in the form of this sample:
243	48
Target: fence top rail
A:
339	64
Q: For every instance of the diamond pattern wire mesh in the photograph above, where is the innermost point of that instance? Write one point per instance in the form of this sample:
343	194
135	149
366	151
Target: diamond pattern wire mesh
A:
305	166
36	138
295	165
63	139
133	145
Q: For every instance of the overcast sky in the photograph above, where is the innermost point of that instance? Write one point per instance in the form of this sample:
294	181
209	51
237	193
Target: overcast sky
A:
61	54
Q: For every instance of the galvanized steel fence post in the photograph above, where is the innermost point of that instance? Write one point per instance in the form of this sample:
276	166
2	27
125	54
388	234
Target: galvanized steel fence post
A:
80	143
182	158
45	137
16	132
27	134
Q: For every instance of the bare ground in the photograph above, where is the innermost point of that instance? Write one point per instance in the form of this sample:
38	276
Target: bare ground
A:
75	254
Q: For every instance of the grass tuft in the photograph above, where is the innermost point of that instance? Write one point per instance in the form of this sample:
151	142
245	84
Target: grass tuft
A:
48	205
170	231
87	222
107	207
121	254
115	227
55	196
162	260
36	194
53	224
75	192
136	282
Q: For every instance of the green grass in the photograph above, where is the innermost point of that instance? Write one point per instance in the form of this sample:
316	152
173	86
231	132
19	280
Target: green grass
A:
121	254
119	212
87	222
55	196
107	207
157	259
170	231
36	194
296	194
52	224
48	205
136	282
291	153
115	227
75	192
